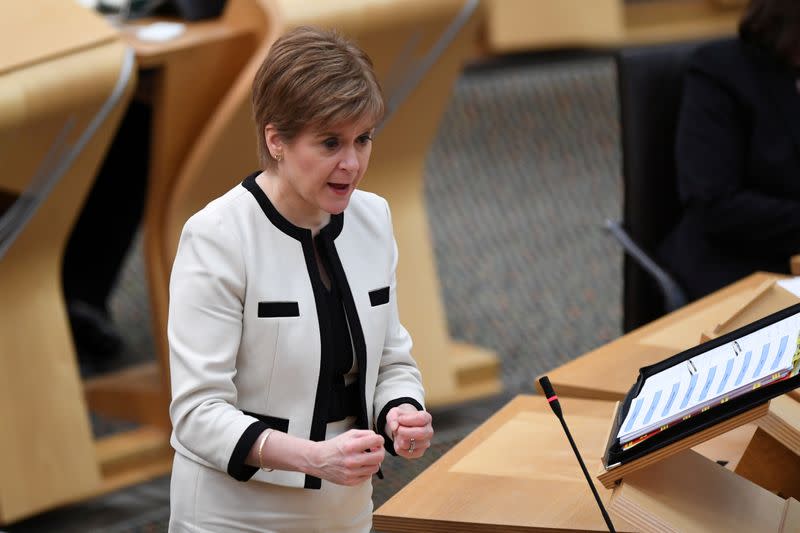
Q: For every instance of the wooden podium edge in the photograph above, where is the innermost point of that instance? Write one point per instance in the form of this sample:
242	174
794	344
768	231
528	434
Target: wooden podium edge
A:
779	425
760	291
610	477
659	499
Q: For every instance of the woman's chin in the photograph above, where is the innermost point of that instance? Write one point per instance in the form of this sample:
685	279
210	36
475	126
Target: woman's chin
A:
336	206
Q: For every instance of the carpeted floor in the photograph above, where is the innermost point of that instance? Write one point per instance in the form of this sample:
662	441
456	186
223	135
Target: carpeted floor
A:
523	173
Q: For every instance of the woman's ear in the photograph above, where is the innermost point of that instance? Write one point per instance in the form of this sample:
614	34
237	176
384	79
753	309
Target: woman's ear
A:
273	140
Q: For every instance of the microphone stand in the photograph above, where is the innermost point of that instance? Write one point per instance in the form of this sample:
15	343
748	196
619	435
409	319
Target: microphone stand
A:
552	399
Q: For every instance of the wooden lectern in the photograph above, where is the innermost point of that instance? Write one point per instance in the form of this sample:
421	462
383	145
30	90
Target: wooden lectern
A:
677	489
64	81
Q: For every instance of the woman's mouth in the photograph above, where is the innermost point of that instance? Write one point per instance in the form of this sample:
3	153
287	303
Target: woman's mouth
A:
339	188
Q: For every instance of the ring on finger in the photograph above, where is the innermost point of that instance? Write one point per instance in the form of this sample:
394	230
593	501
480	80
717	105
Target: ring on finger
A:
412	445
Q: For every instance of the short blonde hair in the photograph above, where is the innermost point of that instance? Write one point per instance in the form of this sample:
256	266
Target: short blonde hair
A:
313	78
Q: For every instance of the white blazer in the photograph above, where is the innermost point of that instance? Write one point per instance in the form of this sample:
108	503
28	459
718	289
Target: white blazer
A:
247	348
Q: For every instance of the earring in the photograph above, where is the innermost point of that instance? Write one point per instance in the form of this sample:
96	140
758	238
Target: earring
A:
278	157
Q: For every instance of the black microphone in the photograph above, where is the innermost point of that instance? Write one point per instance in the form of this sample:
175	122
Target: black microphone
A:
552	399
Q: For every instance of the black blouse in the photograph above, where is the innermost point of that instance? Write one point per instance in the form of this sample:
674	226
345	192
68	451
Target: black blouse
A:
344	398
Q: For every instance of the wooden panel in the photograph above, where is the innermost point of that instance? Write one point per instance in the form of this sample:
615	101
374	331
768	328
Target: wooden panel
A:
771	465
783	422
658	21
133	457
520	25
46	29
527	25
46	448
687	493
135	394
766	299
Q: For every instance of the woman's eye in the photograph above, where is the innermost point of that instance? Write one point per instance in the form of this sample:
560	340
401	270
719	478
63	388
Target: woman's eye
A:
364	139
330	143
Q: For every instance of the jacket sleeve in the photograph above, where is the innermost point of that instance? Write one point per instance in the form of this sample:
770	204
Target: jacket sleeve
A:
712	155
399	379
207	290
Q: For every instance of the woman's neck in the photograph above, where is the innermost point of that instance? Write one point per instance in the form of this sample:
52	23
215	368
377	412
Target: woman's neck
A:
290	206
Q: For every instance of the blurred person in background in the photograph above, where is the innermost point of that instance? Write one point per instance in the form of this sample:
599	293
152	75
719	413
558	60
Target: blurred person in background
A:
738	154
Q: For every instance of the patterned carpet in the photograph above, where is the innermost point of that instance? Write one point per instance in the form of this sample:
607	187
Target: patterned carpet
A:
523	173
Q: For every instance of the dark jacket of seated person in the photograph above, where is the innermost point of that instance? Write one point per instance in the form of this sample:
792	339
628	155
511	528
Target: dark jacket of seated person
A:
738	161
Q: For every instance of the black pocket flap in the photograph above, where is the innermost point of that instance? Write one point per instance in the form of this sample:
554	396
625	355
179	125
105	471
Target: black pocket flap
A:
379	296
281	424
277	309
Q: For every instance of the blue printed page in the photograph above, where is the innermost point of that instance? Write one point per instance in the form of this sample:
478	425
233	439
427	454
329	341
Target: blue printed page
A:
712	378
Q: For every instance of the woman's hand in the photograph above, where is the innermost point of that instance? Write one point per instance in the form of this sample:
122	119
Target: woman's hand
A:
347	459
410	429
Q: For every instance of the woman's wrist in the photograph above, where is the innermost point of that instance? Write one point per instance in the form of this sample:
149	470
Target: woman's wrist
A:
277	450
309	457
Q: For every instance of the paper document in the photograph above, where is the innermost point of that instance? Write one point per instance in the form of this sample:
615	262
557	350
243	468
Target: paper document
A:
792	285
712	378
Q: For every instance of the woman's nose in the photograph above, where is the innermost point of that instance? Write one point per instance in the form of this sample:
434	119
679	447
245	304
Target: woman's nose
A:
349	160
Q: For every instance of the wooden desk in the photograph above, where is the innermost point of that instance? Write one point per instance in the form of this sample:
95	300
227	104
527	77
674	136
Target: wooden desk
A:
608	372
515	473
525	25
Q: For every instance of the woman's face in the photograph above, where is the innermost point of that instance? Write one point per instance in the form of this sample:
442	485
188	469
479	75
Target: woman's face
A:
320	169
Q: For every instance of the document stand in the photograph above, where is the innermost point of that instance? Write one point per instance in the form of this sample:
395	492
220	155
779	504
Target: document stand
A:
677	489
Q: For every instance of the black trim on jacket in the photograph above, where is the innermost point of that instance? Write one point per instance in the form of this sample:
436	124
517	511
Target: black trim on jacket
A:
380	424
237	468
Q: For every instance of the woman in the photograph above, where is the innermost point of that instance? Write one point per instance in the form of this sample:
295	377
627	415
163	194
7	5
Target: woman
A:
738	154
290	369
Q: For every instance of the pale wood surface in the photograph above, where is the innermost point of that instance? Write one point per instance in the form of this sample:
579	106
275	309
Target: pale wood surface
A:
135	393
525	25
515	473
609	371
766	300
662	21
132	457
46	29
517	25
199	34
783	422
46	448
771	465
688	493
